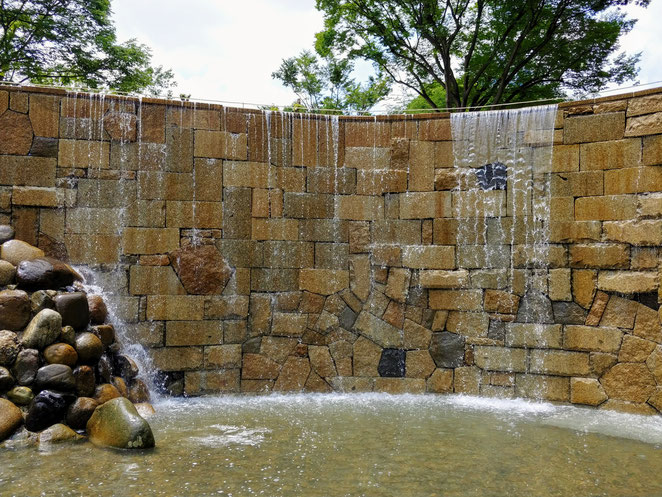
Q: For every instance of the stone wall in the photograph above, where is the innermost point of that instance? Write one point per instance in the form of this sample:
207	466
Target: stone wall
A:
256	252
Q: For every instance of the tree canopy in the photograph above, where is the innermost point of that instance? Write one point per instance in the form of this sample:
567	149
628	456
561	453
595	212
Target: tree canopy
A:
73	42
326	83
481	52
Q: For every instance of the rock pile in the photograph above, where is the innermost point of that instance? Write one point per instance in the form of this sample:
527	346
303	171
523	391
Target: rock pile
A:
62	374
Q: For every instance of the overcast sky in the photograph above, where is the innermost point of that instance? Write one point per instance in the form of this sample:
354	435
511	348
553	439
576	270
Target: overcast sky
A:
227	49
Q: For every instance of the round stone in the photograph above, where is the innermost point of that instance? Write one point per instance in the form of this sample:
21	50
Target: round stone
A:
85	381
74	309
14	309
106	392
43	273
106	333
80	412
145	409
58	433
6	379
8	347
126	367
21	396
7	273
43	330
26	366
117	424
11	418
47	408
58	377
119	383
98	309
89	348
68	335
15	251
61	353
138	392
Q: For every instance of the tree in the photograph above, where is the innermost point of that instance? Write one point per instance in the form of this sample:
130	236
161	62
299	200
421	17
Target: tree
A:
326	84
73	42
482	52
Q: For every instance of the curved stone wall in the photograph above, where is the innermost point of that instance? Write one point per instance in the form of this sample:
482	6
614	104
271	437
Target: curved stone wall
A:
258	252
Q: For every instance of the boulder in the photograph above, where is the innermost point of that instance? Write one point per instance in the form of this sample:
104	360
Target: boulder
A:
47	408
11	418
59	433
74	309
26	366
201	269
105	392
138	392
106	333
79	413
7	273
118	424
43	330
58	377
61	353
89	348
8	347
43	273
15	251
42	299
85	381
6	379
21	396
98	309
126	367
14	309
6	233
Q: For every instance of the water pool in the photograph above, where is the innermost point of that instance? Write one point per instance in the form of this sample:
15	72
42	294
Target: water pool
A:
358	445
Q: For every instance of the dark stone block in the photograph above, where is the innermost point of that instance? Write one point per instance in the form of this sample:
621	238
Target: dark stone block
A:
497	330
492	176
569	313
535	307
392	363
44	147
252	346
447	349
647	299
347	318
6	233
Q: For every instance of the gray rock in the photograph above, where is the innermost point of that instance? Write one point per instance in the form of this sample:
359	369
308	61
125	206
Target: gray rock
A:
117	423
6	233
392	363
535	307
26	366
42	299
74	309
58	377
347	318
59	433
447	349
569	313
497	330
8	347
14	309
43	330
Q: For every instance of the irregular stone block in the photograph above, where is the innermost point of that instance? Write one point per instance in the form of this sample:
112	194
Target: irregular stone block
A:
447	349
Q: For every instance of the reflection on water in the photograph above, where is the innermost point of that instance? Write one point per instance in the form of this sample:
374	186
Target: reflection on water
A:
359	445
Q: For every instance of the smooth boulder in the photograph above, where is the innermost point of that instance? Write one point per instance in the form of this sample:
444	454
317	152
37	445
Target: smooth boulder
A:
42	299
74	309
43	330
14	309
26	366
21	396
98	309
79	413
15	251
11	418
58	433
58	377
85	381
61	353
6	233
47	408
43	273
89	348
118	424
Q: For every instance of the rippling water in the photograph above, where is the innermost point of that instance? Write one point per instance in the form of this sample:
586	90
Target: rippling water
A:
359	445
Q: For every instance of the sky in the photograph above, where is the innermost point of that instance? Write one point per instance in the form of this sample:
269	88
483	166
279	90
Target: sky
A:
226	50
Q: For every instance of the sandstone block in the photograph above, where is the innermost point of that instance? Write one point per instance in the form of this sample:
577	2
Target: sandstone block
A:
428	257
29	171
647	324
629	382
652	150
177	358
203	215
379	331
650	124
619	312
150	240
435	129
586	391
179	333
154	280
323	281
633	180
532	335
444	279
275	229
441	381
175	307
588	338
468	324
293	376
643	233
635	349
368	157
15	133
501	302
459	300
360	207
424	205
560	363
580	184
499	359
44	115
628	282
594	128
601	256
551	388
606	208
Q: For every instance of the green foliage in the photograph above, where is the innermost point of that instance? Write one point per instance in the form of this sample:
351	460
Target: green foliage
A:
326	84
73	42
481	52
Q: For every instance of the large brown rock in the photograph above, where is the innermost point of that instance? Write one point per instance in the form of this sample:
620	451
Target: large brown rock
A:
79	413
117	424
74	309
44	273
43	330
628	381
98	309
201	269
15	251
58	377
85	381
138	392
106	392
61	353
59	433
89	348
15	133
11	418
14	309
8	347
